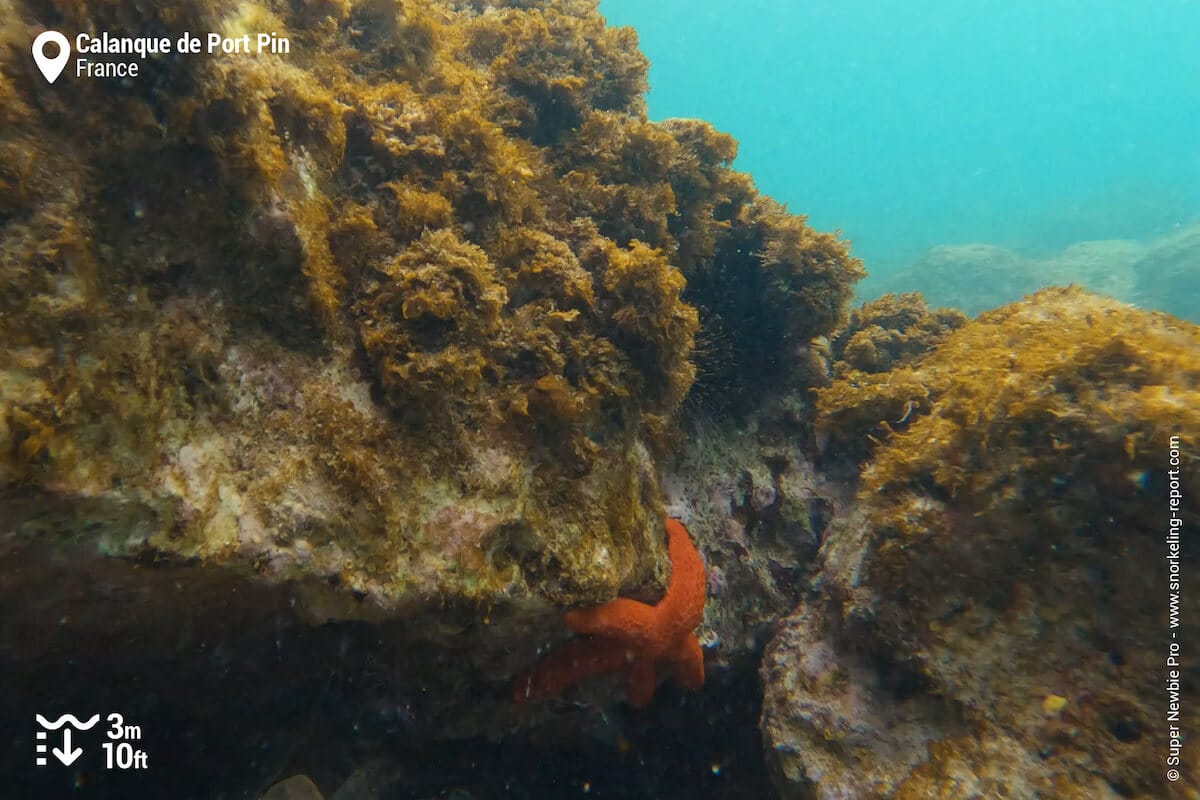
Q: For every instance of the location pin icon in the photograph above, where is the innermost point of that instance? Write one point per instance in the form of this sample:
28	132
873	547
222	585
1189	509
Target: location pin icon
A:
51	67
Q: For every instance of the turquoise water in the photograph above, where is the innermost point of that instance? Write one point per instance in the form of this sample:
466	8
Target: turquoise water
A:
1027	124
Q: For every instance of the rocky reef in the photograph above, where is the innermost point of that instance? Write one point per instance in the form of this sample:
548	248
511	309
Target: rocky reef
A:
394	327
874	388
989	616
412	307
332	377
1160	273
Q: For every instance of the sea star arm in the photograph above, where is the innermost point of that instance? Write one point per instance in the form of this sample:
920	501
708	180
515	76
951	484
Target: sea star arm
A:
621	618
632	637
571	662
687	663
640	682
683	604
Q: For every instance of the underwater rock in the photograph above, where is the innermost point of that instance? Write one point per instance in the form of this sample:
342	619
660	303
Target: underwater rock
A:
393	328
889	331
761	509
297	787
975	277
990	615
303	306
874	389
1168	274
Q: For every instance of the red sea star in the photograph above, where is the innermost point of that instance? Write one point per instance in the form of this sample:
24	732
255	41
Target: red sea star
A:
631	636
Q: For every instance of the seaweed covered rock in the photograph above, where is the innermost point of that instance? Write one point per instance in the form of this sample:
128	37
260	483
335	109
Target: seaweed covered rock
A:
399	320
875	387
998	595
889	331
434	235
764	282
770	286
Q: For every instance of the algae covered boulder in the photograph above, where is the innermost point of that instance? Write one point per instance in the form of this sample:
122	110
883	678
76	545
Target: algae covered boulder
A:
411	305
393	325
991	616
874	387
